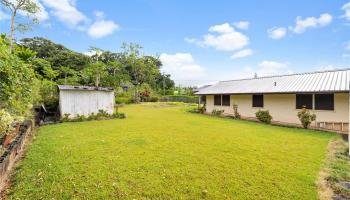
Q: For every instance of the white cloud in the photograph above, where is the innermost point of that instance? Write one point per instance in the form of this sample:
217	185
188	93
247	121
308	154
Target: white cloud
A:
66	12
223	28
277	33
269	68
4	16
102	28
99	14
244	25
301	25
243	53
346	8
42	15
222	37
181	66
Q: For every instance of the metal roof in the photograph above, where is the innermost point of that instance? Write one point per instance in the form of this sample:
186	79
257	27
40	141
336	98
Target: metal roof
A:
320	81
88	88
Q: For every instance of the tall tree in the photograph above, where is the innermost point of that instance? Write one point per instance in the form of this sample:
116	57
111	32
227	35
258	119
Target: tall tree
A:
29	7
56	54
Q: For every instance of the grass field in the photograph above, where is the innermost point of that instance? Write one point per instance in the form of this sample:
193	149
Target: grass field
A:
167	153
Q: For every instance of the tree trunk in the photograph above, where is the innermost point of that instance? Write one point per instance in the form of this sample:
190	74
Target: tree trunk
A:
97	83
12	31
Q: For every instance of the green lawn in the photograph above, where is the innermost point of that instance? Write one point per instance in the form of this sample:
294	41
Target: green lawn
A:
167	153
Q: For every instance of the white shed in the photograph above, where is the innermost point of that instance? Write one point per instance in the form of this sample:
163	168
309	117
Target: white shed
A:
84	100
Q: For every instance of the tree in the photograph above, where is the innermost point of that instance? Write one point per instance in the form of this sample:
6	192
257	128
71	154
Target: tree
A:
29	7
141	69
18	84
95	72
56	54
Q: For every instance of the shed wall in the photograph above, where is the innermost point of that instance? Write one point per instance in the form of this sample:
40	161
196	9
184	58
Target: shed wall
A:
282	107
76	102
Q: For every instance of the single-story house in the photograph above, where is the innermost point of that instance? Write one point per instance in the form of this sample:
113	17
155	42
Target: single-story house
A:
325	93
84	100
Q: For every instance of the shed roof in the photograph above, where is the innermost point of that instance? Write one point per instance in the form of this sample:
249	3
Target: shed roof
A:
319	81
84	88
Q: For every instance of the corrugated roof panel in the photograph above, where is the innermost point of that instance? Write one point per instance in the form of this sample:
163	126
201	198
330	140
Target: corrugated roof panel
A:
325	81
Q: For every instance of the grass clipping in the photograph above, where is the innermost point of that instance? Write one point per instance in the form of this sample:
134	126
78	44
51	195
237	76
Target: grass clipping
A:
334	179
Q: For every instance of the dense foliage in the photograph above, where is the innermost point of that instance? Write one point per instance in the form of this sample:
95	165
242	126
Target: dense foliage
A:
130	69
18	84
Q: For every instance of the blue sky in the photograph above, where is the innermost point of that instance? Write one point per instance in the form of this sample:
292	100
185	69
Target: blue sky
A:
202	42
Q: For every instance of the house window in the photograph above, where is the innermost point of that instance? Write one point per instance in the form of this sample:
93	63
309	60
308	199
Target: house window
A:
258	100
304	100
324	101
203	99
226	100
217	100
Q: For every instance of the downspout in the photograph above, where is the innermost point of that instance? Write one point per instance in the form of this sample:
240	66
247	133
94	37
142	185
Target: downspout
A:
349	120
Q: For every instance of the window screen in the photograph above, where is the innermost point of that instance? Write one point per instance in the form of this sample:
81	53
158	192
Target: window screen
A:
258	100
226	100
217	100
304	100
324	101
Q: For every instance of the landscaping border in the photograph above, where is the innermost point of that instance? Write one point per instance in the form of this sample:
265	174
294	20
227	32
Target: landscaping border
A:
13	152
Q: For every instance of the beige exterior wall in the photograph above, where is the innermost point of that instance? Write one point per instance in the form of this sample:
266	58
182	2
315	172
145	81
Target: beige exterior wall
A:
282	107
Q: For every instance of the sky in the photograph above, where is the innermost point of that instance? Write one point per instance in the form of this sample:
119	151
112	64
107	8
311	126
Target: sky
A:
202	42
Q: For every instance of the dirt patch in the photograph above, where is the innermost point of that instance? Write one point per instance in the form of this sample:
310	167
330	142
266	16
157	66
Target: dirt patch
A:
333	181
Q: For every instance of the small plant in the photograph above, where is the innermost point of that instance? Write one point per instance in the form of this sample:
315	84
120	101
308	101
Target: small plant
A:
80	118
121	115
202	109
305	117
264	116
6	121
217	112
101	115
65	117
236	114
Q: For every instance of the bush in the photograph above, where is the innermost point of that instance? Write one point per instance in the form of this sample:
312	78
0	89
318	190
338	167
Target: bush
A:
101	115
202	109
217	112
264	116
6	121
180	98
306	117
123	100
236	114
153	99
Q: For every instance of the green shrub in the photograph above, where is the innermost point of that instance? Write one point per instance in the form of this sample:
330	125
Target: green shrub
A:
305	117
65	117
180	98
123	100
217	112
121	116
202	109
153	99
236	114
6	121
264	116
101	115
